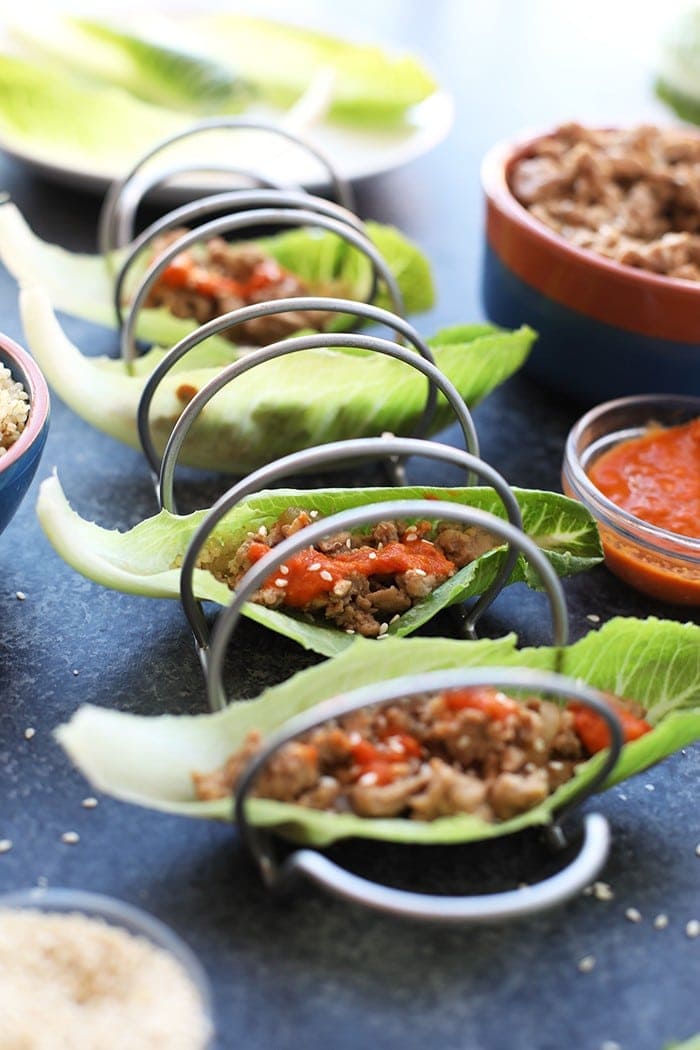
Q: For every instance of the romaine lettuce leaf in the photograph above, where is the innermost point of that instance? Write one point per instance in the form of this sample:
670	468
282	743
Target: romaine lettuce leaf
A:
370	86
142	560
107	130
149	761
161	68
678	64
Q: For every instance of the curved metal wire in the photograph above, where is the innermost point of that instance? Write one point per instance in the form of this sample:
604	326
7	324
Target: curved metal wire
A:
233	200
290	346
349	520
140	187
107	223
231	223
447	909
359	449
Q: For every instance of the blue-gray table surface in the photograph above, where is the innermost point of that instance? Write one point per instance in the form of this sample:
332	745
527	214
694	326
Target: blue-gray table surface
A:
313	971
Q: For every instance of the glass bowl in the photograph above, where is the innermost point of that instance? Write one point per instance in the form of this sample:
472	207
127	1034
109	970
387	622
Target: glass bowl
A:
125	916
663	564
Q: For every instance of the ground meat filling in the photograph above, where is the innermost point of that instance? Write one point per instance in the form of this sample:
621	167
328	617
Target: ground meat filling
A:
631	195
359	582
208	280
472	750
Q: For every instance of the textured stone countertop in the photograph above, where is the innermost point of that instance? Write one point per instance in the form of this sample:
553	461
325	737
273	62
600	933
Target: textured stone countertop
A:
312	971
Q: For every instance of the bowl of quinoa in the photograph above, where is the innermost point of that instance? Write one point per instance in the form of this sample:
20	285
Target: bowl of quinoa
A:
24	420
593	238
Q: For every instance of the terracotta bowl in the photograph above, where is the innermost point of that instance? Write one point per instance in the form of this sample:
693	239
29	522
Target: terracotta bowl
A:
605	330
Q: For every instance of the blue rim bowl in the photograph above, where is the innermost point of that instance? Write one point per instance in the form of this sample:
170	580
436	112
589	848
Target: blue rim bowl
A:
18	465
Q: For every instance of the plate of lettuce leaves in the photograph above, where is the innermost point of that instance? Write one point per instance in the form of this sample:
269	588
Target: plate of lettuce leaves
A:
82	98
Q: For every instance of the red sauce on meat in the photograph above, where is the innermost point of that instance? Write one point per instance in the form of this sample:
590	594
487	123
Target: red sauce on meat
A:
311	574
492	703
184	272
382	760
593	732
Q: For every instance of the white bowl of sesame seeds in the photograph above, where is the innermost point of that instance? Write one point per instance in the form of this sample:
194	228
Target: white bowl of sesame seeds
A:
96	972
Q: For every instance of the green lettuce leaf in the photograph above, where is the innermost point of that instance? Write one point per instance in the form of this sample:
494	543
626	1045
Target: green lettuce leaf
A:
149	761
678	64
163	69
141	560
108	129
370	86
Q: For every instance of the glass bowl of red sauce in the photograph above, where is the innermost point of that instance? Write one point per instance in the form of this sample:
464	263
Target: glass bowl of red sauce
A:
635	463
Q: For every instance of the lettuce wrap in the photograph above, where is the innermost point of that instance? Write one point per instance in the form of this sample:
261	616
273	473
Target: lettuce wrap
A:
149	760
144	560
267	412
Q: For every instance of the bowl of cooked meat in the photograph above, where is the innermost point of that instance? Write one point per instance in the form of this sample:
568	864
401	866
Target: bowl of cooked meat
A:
593	239
24	422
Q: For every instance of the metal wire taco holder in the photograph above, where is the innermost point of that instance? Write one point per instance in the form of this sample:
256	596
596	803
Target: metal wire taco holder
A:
266	203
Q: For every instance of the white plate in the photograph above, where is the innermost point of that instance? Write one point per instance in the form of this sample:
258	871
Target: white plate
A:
356	154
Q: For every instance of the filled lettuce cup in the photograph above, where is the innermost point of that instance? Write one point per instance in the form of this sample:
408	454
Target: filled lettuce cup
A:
378	582
443	766
269	412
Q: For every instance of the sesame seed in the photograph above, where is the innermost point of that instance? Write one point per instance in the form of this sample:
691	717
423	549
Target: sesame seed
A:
20	596
349	630
556	765
660	922
284	569
372	555
419	572
387	434
633	915
692	929
89	803
383	628
539	744
70	838
262	531
29	732
602	891
394	618
348	543
313	513
5	845
623	798
593	618
76	672
411	537
649	787
325	575
281	582
586	964
315	566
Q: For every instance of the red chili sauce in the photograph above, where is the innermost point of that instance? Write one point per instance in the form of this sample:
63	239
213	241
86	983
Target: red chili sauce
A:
311	574
656	478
